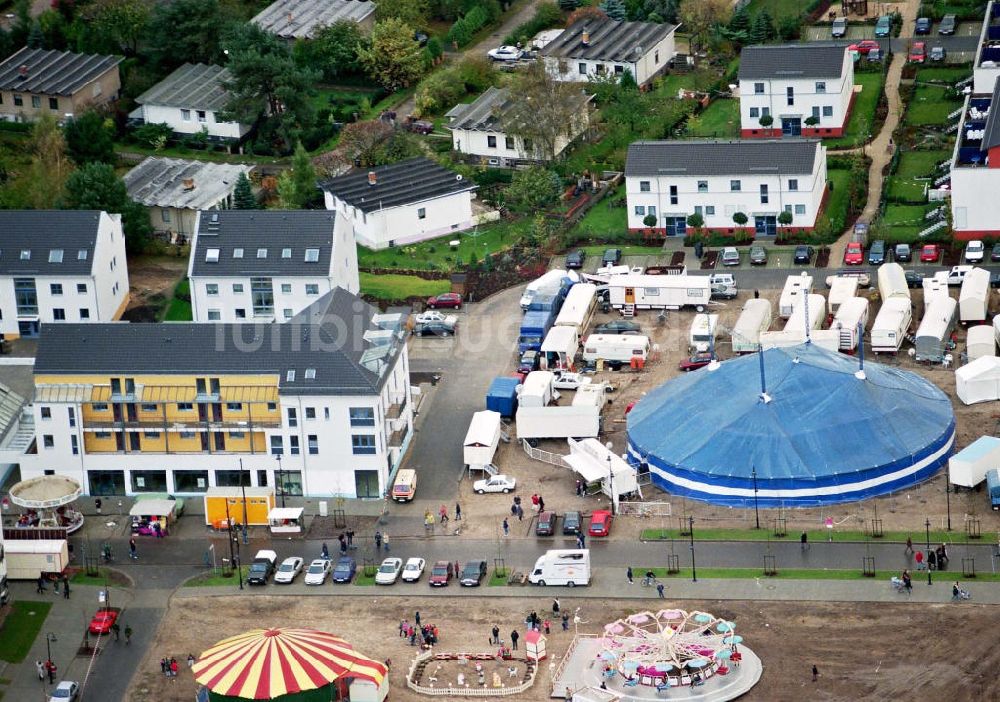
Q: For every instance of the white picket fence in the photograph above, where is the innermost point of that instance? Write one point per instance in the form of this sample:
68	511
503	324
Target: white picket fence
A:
469	691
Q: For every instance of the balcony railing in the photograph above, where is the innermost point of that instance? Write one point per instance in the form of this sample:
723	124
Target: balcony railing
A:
159	424
395	410
397	437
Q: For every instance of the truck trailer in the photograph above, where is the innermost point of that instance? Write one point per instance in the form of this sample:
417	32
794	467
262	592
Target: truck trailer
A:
561	422
534	326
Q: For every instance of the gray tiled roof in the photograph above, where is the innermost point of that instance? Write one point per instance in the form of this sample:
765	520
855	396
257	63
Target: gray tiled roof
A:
609	40
196	86
991	132
414	180
274	231
159	182
776	61
53	72
302	19
721	158
326	337
486	113
39	232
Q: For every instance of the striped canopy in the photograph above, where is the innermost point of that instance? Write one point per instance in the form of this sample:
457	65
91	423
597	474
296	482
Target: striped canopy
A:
267	663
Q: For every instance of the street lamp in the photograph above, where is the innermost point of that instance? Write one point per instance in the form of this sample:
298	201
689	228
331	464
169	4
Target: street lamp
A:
928	527
49	638
243	488
694	572
611	478
232	555
281	484
947	497
753	474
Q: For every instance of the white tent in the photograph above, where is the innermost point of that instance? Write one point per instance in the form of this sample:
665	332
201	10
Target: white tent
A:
980	342
591	459
968	467
285	520
978	381
481	439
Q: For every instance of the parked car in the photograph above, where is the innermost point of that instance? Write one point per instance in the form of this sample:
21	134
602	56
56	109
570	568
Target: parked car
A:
914	279
529	361
957	274
317	571
571	523
413	569
874	56
865	47
930	253
854	254
730	256
803	254
441	574
473	573
974	251
103	621
600	523
918	52
565	380
505	53
923	26
435	316
611	257
388	571
574	259
450	300
947	26
839	28
618	326
433	329
288	570
938	54
262	567
876	253
995	280
699	360
995	252
758	255
495	483
65	691
546	524
883	27
344	571
419	126
902	253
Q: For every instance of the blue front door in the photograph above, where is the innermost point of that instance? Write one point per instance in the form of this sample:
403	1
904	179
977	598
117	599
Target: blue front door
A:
675	226
791	126
765	226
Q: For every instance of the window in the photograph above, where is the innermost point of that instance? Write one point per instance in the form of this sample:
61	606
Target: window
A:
18	101
74	444
508	143
202	117
640	210
363	443
151	434
293	417
72	416
277	446
651	210
754	112
81	288
820	86
326	413
312	288
529	145
81	255
262	296
709	210
214	315
422	213
735	186
84	313
237	253
148	407
272	406
55	288
800	209
287	312
241	313
211	255
186	115
290	376
185	407
815	112
673	194
582	69
211	289
261	253
491	141
237	435
644	186
237	288
310	413
55	256
599	68
286	253
793	184
99	407
312	255
828	110
765	111
619	70
790	95
362	416
310	374
53	103
36	101
702	186
313	441
46	412
763	194
25	254
286	288
698	210
234	406
59	314
49	442
758	88
293	445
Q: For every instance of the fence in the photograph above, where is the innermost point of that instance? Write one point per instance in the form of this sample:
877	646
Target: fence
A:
645	509
450	691
557	673
544	456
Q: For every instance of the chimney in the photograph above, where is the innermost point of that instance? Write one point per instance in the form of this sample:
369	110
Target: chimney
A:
188	184
23	71
585	38
289	17
372	178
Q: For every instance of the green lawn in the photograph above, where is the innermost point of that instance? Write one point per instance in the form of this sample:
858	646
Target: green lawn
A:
903	184
929	106
179	310
329	98
720	120
815	535
362	578
498	578
22	625
777	8
862	117
81	577
904	221
627	249
836	204
436	254
392	286
213	579
943	74
605	218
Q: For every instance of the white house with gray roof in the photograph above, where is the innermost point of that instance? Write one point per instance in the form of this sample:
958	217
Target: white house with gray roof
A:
596	48
672	180
975	168
303	19
189	101
402	203
478	129
60	266
268	265
793	83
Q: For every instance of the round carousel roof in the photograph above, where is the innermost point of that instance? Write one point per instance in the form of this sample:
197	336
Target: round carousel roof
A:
267	663
45	491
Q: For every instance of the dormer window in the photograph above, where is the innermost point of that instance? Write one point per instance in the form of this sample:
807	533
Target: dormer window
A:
56	256
25	254
212	256
261	253
312	255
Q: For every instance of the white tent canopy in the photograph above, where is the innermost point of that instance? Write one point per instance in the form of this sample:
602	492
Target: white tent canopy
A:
978	381
285	520
980	342
153	508
591	459
481	439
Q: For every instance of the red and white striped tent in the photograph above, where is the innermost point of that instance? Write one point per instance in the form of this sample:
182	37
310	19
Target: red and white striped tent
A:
264	664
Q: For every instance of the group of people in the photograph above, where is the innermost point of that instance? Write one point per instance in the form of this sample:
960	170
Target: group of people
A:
443	513
426	633
168	666
346	541
48	668
937	559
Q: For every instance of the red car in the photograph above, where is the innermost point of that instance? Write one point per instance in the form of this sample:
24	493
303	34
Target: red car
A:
699	360
864	47
441	574
103	621
930	253
600	523
453	300
855	254
918	52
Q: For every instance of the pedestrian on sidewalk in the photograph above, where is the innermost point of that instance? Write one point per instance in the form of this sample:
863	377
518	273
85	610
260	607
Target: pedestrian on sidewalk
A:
556	606
506	527
909	546
565	621
496	635
520	513
416	618
385	541
628	574
756	294
128	634
580	540
343	547
50	668
804	541
97	505
534	501
117	631
40	587
131	549
458	512
40	669
443	514
579	488
403	627
65	582
350	538
378	541
815	673
659	590
547	627
541	504
919	558
325	552
55	585
514	636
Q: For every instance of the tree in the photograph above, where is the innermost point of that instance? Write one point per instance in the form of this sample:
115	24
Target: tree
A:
811	120
49	167
333	51
412	13
185	30
89	139
784	218
614	9
649	220
740	219
532	190
153	134
766	121
394	59
695	220
243	197
297	186
666	10
361	141
762	28
740	21
36	39
699	17
398	147
545	112
96	186
121	21
569	5
588	12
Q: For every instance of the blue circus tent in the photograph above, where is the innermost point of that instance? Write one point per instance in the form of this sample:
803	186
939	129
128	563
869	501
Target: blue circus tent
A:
821	435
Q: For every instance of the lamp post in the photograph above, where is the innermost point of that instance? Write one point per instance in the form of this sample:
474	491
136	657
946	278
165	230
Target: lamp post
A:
611	478
281	484
231	538
947	497
49	638
694	572
756	512
927	525
243	489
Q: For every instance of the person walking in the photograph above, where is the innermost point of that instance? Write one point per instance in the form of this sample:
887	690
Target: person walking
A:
534	501
443	514
804	541
132	549
385	541
579	488
909	546
40	669
628	574
520	513
458	512
506	527
919	558
556	606
815	673
65	582
514	636
541	504
116	630
565	621
97	505
496	635
40	585
547	627
350	538
580	540
128	634
51	669
378	541
325	552
659	590
416	618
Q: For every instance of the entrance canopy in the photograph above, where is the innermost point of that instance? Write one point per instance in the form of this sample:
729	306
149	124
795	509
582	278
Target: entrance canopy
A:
590	458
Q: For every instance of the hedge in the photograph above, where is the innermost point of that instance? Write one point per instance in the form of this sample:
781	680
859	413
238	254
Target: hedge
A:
464	29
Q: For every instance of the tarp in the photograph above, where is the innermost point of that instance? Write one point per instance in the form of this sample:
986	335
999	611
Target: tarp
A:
822	436
281	513
153	508
978	381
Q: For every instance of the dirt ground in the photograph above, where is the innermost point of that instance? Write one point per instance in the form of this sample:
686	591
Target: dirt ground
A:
863	651
151	277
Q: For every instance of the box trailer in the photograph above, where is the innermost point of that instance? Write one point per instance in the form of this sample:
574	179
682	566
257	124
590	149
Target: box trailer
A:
812	304
980	342
537	390
974	297
558	422
754	319
704	328
968	467
851	314
30	558
616	349
482	439
795	287
670	292
892	282
502	396
560	347
978	381
570	567
841	288
259	502
593	395
551	281
935	330
993	488
891	325
578	309
935	288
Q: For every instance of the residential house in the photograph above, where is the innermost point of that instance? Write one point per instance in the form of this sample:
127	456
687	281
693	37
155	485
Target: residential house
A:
320	406
189	101
478	129
36	82
672	180
174	191
268	264
303	19
401	203
592	48
795	84
60	266
975	169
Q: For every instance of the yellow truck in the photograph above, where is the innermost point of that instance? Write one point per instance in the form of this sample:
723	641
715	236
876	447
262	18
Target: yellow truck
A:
259	502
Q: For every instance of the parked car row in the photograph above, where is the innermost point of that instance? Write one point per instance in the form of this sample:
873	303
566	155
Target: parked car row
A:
390	570
572	523
975	252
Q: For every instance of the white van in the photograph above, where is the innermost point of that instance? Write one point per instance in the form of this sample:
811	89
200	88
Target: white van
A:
405	485
570	567
615	349
703	333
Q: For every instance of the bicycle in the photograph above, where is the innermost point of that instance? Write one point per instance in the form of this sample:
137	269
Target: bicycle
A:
649	581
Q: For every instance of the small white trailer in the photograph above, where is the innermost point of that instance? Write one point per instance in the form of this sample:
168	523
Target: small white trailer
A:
891	325
935	288
795	287
841	288
978	381
615	348
980	342
704	328
892	282
30	558
559	347
558	422
974	297
481	440
935	330
671	292
968	467
592	395
578	309
815	305
828	339
537	390
753	320
852	314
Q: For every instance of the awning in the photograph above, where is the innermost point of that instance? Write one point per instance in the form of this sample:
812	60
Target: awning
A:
153	508
280	513
588	469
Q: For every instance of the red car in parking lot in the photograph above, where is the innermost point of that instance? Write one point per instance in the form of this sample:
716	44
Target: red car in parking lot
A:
855	254
930	253
918	52
441	574
453	300
600	523
103	621
864	47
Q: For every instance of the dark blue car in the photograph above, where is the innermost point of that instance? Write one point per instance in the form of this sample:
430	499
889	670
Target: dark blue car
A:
344	571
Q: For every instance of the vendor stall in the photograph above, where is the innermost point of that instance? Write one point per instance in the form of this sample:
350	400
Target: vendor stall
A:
285	520
222	503
152	517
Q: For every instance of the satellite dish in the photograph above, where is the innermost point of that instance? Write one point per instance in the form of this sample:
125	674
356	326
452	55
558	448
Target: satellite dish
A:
458	177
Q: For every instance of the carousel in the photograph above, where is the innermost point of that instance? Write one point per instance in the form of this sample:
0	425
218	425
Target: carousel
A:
47	503
289	665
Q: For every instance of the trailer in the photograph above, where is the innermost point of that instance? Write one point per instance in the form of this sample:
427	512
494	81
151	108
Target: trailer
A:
935	288
578	309
30	559
704	328
591	395
780	339
558	422
816	307
974	297
502	396
980	342
891	325
259	502
828	339
549	282
853	313
670	292
534	326
795	287
481	440
753	320
615	349
842	288
892	282
570	567
978	381
560	347
935	330
537	390
968	467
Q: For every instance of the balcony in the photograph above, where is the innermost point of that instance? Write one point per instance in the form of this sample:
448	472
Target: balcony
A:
395	410
397	438
158	424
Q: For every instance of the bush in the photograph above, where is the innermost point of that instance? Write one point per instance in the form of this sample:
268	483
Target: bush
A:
437	92
463	30
546	16
155	136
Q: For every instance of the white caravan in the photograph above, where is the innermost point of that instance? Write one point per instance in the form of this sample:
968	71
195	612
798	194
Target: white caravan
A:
754	319
891	325
795	287
570	567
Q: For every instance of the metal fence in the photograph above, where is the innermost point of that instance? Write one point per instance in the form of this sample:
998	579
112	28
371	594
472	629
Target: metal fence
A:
645	509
